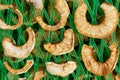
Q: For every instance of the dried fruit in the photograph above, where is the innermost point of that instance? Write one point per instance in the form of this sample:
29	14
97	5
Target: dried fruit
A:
5	6
38	4
64	11
62	70
22	78
96	67
80	2
28	65
10	49
39	75
102	30
117	77
3	25
63	47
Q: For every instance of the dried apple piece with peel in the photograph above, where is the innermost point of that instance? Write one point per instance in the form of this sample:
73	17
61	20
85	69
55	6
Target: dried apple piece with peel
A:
99	68
63	10
23	51
62	69
5	26
63	47
27	66
39	75
102	30
38	4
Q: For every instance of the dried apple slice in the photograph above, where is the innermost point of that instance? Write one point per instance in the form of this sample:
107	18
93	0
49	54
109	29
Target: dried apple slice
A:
5	6
102	30
62	70
27	66
38	4
39	75
63	47
4	26
99	68
22	78
64	11
23	51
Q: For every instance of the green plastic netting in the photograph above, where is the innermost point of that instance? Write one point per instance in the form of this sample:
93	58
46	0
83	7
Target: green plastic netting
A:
41	55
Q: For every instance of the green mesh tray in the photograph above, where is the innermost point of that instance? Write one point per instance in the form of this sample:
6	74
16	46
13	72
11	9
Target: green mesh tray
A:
41	56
